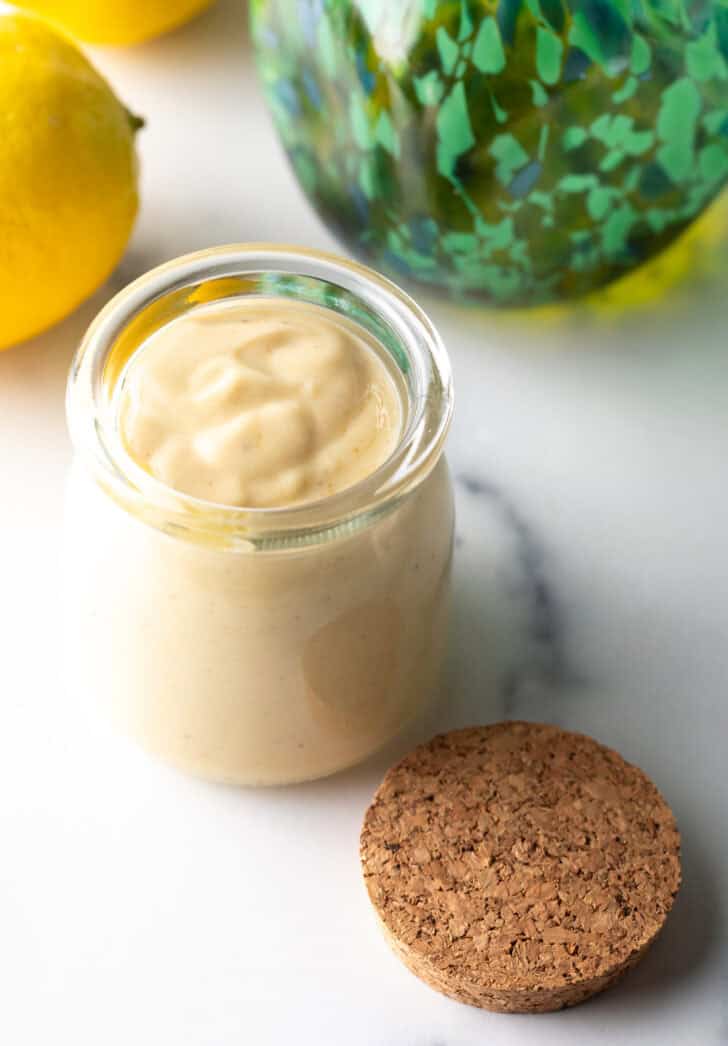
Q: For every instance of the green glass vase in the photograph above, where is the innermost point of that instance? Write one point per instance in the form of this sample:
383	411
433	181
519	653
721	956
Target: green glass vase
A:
522	151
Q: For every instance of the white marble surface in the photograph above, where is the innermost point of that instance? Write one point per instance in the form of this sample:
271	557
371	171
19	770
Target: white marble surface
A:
137	906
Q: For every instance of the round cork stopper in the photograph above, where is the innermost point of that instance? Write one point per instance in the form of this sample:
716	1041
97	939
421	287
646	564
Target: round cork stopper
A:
519	867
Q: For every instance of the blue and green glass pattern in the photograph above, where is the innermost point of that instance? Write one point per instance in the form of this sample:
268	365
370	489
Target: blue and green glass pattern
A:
521	151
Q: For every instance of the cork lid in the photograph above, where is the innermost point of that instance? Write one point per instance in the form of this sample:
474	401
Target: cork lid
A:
519	867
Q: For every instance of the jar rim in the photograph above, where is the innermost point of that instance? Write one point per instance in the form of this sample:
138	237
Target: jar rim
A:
273	270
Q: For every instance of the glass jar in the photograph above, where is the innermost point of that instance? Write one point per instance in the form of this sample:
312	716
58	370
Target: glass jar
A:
516	152
259	646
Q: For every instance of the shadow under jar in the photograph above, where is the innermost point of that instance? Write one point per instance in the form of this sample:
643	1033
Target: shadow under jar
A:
259	646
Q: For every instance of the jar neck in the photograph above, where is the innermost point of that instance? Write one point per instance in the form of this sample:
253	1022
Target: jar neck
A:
345	288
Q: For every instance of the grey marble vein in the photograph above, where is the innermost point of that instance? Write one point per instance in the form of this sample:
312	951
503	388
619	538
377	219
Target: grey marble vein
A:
537	663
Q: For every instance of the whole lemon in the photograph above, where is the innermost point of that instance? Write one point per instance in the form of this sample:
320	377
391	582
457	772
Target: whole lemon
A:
68	177
117	21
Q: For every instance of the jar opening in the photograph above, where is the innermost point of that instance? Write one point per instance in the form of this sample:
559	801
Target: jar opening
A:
221	274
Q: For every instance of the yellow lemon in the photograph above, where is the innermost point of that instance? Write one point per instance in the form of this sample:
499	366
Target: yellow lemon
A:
68	177
117	21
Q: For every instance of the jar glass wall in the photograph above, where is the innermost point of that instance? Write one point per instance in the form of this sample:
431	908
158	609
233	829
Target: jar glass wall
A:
259	646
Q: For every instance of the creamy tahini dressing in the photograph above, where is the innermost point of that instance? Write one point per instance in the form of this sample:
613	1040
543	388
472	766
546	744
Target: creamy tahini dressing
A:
259	403
259	666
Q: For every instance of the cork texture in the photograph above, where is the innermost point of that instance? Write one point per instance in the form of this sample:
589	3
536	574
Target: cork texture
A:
519	867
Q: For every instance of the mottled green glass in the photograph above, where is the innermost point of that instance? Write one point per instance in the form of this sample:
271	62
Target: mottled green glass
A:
519	150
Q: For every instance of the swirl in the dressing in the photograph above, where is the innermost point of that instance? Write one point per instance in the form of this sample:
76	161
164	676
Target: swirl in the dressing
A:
259	403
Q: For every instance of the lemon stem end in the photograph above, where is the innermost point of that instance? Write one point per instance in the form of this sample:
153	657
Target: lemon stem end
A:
136	122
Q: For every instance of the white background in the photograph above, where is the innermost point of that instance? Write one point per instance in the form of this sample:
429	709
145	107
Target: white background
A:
590	450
